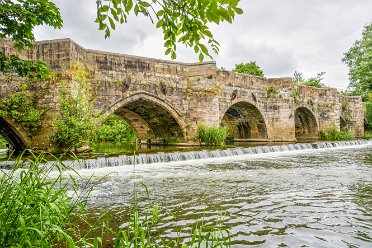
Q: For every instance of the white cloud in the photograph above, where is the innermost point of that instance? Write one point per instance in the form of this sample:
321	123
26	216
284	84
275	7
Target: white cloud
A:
281	35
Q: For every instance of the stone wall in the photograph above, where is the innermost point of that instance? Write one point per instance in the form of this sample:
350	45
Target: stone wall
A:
153	94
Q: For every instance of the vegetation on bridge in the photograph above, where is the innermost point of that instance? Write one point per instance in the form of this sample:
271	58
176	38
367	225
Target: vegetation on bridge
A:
21	108
250	68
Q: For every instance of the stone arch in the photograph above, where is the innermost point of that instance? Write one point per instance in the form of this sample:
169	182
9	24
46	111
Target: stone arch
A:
306	126
150	116
15	137
245	121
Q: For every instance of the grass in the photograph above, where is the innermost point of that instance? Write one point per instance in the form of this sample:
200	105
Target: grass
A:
335	134
39	207
368	134
3	142
213	135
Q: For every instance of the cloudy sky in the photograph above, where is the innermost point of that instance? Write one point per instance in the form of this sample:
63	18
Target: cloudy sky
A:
281	35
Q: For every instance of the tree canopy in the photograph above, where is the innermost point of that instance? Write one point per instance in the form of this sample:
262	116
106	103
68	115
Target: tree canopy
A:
359	61
182	21
250	68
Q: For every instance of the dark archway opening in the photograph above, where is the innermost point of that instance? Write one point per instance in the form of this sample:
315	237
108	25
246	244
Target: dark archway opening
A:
306	126
14	141
151	121
245	121
343	123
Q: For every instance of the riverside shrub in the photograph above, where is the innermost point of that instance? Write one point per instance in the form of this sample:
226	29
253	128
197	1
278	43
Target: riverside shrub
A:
213	135
335	134
115	129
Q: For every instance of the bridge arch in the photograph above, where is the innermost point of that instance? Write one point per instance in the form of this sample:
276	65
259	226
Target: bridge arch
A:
245	121
306	125
17	140
150	116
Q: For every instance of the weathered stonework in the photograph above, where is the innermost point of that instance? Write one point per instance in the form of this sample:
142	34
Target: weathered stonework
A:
166	99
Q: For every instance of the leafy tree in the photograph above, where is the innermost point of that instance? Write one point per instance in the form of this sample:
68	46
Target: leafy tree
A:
182	21
17	20
316	81
359	61
20	107
250	68
76	124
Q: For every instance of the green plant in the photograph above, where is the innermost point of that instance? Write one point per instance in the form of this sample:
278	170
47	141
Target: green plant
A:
367	134
311	82
36	210
271	92
335	134
76	124
368	114
345	105
21	108
250	68
3	142
359	61
115	129
213	135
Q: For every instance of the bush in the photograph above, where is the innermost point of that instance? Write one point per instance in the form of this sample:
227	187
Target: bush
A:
21	109
115	129
335	134
76	124
214	135
368	114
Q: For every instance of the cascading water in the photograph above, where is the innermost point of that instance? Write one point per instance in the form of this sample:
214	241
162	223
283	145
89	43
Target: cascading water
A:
204	154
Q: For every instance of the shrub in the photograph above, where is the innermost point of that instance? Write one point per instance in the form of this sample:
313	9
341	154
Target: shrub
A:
368	114
76	123
213	135
20	107
335	134
115	129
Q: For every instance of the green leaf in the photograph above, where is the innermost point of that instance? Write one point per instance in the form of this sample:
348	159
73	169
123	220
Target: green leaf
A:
201	57
112	24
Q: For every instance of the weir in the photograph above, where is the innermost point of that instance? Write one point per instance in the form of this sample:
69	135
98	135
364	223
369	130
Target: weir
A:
124	160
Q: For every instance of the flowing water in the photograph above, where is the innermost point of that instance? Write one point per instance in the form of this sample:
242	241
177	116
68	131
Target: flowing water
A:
297	195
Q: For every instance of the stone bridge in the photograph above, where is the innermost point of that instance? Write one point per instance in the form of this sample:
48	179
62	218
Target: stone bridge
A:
165	99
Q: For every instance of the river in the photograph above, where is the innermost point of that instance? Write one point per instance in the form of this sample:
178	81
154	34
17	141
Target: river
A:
299	198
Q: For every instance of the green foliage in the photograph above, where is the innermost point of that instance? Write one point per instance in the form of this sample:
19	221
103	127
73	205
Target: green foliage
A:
359	61
250	68
182	21
3	142
335	134
20	107
115	129
76	124
35	210
368	114
17	20
213	135
271	91
367	134
24	68
311	82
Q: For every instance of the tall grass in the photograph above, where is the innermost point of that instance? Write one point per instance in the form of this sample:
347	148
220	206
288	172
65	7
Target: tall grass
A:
213	135
35	210
39	207
335	134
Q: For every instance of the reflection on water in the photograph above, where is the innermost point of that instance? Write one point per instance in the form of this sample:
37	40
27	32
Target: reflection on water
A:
309	199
